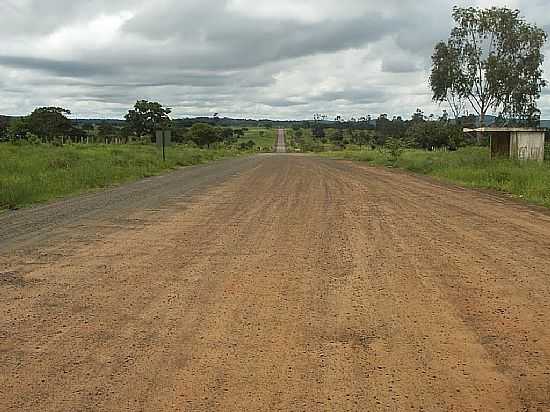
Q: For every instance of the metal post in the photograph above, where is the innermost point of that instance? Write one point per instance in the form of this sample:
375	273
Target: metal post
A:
163	145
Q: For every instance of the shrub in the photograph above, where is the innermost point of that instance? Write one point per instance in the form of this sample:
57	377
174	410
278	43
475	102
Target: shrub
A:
394	147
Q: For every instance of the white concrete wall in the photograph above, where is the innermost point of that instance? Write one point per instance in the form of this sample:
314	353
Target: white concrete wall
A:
527	146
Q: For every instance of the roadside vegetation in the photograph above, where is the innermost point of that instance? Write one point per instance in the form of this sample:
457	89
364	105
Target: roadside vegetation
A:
45	155
37	173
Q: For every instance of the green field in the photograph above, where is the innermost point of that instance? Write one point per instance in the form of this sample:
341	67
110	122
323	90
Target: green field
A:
469	167
262	137
38	173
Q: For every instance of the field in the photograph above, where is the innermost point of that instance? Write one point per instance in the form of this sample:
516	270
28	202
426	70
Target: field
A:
37	173
469	167
262	137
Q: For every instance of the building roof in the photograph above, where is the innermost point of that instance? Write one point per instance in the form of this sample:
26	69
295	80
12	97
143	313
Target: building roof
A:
505	129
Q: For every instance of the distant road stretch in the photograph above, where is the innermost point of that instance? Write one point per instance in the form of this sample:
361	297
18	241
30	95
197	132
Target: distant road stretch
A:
281	145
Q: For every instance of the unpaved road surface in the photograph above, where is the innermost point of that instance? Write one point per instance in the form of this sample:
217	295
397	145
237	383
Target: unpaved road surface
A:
280	147
288	284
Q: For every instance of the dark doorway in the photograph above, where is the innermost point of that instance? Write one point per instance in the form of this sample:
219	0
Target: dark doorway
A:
500	144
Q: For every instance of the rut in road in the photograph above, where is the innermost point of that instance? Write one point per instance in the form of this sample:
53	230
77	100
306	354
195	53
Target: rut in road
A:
300	284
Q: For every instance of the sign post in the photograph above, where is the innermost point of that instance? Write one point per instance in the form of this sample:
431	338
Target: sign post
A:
164	138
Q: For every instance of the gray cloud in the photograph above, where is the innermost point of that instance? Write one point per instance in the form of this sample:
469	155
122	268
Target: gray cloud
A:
399	64
252	58
57	67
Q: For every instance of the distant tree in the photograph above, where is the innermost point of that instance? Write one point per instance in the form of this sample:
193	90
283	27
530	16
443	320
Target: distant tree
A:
4	123
204	134
362	138
493	59
49	123
77	134
124	133
430	135
298	135
146	117
318	131
338	136
418	116
227	135
106	131
18	128
239	133
383	129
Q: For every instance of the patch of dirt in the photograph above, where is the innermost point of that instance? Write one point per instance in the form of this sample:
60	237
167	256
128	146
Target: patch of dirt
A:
11	279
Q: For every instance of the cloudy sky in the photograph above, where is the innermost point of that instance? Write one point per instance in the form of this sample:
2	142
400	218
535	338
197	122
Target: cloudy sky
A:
280	59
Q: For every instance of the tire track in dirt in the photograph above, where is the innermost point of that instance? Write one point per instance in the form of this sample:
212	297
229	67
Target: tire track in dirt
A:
296	284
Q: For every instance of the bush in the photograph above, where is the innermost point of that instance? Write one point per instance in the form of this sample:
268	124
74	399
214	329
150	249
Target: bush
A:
394	148
247	145
435	135
33	139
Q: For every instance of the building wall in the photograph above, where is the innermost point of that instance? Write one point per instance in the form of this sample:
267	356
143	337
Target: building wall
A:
527	146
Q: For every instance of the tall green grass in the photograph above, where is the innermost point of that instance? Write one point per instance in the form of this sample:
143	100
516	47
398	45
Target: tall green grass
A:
469	167
37	173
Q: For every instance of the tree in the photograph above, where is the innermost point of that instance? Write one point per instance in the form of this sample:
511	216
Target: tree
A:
106	131
318	131
204	134
394	148
227	134
146	117
338	137
362	138
437	134
49	122
418	116
18	128
493	60
239	133
4	123
444	78
247	145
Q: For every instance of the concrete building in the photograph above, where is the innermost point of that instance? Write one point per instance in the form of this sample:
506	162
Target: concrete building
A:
514	142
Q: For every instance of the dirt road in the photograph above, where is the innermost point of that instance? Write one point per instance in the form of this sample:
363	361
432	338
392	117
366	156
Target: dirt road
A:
280	147
291	284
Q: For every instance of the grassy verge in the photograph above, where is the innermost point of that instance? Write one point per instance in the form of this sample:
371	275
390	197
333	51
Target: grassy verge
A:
31	174
262	137
469	167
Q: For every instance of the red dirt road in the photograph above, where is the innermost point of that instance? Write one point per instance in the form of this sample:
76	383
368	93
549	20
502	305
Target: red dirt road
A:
298	284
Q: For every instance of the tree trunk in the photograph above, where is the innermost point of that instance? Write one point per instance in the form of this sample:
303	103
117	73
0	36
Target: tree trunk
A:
479	135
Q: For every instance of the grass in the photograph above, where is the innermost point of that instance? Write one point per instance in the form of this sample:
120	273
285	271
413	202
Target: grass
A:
469	167
38	173
262	137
